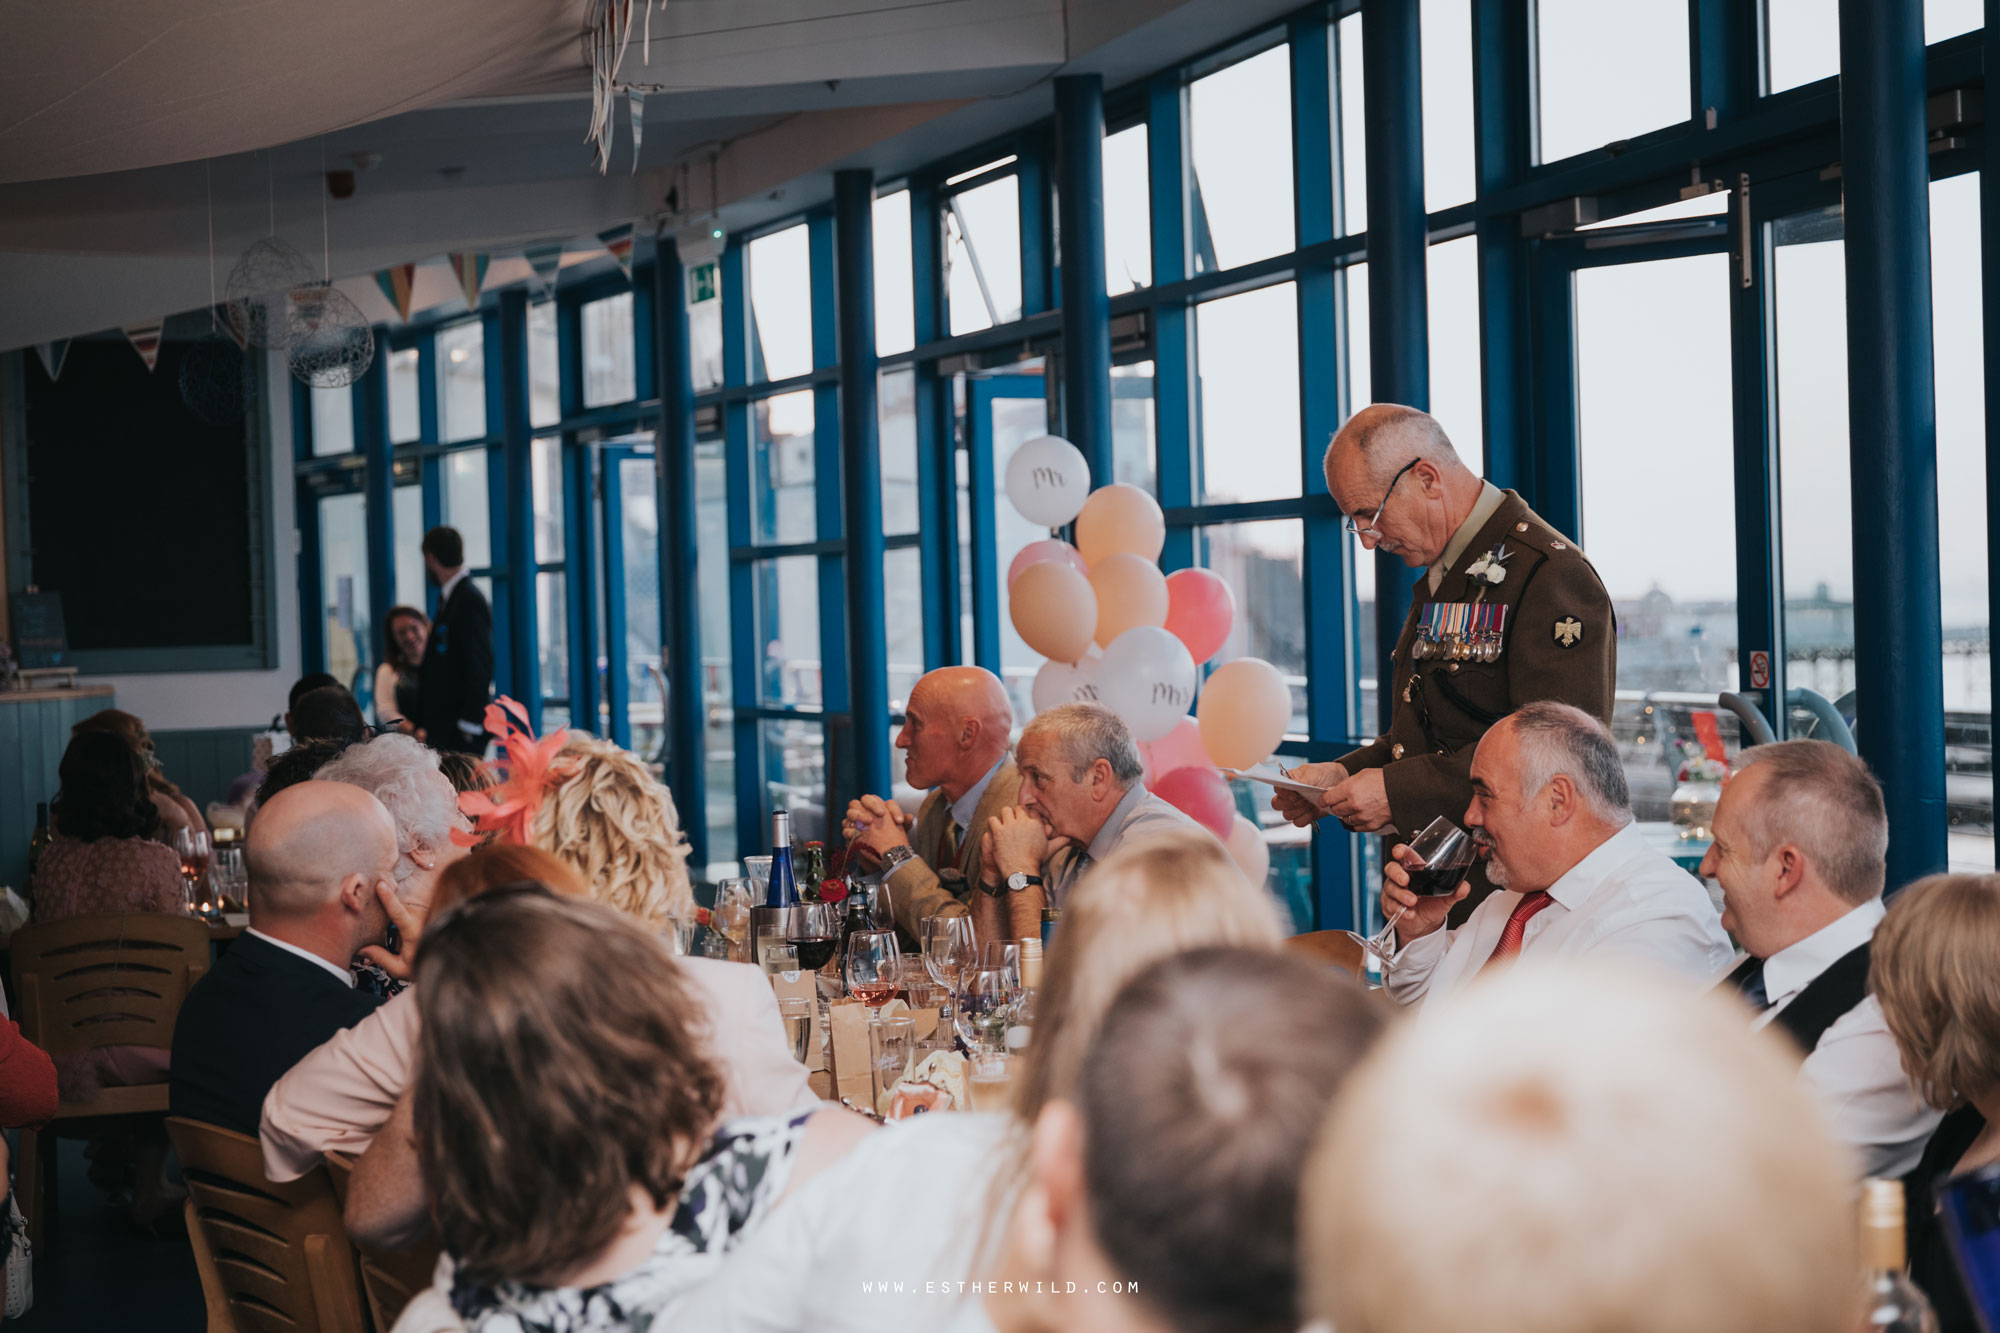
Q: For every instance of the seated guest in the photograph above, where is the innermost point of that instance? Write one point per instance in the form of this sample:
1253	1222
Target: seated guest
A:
338	1097
1551	814
1576	1149
463	771
611	819
292	767
954	741
1082	798
1153	899
27	1081
1931	967
1211	1048
304	685
403	640
328	713
1800	837
322	862
176	810
403	775
571	1128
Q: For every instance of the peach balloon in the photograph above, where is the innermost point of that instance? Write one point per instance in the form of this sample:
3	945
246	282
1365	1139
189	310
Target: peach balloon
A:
1120	518
1249	850
1130	592
1034	553
1244	710
1200	611
1054	611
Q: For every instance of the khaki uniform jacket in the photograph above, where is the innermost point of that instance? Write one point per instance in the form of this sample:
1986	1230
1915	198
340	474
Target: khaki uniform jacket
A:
916	889
1561	644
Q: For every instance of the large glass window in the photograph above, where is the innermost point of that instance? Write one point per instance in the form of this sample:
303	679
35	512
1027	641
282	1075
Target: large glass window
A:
1240	143
552	647
464	504
1247	356
1456	399
544	366
332	421
1802	37
780	305
461	373
1653	395
1263	564
1447	56
718	732
343	564
903	580
982	255
607	351
404	423
1128	215
1132	425
639	553
409	512
1609	71
788	630
704	284
896	406
781	468
1015	421
895	299
548	490
1353	118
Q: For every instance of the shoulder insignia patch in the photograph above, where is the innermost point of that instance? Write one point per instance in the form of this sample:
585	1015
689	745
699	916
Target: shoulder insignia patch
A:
1569	631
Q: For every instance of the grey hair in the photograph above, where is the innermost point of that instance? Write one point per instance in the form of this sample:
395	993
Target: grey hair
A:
1388	435
1086	733
1558	739
391	769
1824	801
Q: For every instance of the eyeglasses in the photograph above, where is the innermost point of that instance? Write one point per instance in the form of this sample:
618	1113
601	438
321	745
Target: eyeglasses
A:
1347	521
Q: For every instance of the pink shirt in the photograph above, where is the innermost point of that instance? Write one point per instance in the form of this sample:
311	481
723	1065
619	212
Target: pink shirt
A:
109	877
336	1098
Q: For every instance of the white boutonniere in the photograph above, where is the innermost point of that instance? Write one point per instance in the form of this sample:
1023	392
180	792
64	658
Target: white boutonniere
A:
1491	567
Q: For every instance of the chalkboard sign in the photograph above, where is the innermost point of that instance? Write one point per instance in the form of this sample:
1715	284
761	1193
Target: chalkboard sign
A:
39	640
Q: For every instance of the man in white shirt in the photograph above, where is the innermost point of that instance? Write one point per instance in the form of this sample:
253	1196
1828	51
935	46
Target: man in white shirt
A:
1552	817
1800	837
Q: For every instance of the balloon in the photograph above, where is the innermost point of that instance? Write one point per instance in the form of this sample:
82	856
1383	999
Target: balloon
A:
1048	548
1130	591
1244	710
1179	748
1200	611
1201	795
1147	679
1120	518
1054	611
1249	850
1059	683
1048	480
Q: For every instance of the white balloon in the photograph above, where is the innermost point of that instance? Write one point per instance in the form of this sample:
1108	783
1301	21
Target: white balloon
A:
1148	679
1048	480
1059	683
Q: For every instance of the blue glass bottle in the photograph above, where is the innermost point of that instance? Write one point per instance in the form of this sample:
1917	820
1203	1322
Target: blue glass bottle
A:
783	890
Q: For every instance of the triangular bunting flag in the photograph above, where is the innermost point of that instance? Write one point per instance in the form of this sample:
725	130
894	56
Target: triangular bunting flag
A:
619	242
471	271
146	341
545	260
53	355
635	98
395	284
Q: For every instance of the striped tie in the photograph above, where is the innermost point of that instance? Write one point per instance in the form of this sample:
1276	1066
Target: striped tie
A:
1517	926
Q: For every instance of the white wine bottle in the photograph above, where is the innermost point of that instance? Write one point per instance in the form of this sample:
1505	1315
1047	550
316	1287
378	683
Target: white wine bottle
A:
1895	1305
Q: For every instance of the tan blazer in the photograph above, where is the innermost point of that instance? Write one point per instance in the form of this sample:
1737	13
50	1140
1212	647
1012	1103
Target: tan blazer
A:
915	889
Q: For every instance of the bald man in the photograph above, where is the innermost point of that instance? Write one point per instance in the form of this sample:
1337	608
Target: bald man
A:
322	860
956	734
1508	612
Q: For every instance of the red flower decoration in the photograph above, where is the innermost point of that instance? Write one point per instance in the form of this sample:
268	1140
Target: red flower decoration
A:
526	771
832	890
703	917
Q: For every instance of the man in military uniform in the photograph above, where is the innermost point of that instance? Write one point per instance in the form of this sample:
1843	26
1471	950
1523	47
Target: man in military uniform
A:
1509	612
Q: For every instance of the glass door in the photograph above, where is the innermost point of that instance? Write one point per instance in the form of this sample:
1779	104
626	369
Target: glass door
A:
1002	412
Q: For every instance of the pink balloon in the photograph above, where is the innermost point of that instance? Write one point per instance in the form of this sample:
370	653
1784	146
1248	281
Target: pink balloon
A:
1035	553
1179	748
1201	795
1200	611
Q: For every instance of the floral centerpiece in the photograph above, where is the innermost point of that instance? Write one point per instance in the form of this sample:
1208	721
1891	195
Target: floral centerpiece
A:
1698	786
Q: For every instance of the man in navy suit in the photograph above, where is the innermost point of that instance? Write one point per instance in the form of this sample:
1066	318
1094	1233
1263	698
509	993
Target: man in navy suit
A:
322	861
455	679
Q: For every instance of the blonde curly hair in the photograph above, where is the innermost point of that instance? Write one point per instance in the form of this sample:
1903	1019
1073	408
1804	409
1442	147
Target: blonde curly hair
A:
616	824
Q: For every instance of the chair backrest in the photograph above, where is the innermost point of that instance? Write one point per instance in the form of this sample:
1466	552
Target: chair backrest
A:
220	1320
106	980
389	1278
279	1250
1330	946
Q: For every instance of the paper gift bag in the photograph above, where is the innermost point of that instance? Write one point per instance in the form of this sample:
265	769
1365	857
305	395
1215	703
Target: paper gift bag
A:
800	986
853	1076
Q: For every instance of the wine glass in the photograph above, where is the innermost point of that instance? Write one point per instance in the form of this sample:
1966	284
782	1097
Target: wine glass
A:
758	869
1004	956
1447	853
892	1050
796	1012
985	1006
193	849
814	934
731	915
949	948
874	969
881	912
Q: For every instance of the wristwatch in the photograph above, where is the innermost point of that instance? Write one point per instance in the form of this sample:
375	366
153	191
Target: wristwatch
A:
1018	881
892	860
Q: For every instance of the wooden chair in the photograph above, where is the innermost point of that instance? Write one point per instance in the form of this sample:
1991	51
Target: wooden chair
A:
280	1256
220	1320
97	981
389	1278
1331	946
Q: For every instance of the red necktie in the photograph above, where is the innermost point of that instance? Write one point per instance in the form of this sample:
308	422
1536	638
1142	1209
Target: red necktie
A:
1517	925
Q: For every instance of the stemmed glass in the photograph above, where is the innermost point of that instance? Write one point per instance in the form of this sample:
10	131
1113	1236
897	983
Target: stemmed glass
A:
949	948
985	1006
874	969
731	916
1005	956
193	848
1447	853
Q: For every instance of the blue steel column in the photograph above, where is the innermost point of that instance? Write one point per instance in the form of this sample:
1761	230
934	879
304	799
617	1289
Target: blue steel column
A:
1174	374
371	417
1398	320
1502	153
937	446
517	455
679	551
1892	424
861	478
1086	305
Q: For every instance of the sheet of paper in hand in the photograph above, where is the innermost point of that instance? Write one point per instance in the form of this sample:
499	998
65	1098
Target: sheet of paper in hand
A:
1271	775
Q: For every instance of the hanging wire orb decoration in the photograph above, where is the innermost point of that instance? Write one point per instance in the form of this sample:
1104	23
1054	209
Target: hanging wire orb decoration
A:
341	345
214	380
259	293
